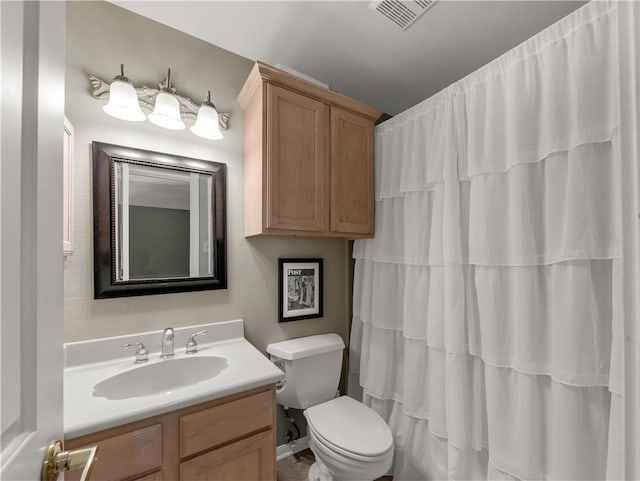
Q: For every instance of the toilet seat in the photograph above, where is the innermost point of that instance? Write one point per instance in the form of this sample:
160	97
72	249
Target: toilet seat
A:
348	427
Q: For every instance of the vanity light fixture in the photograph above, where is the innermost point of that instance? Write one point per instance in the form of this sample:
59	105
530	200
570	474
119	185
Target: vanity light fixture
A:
163	106
123	100
206	125
166	113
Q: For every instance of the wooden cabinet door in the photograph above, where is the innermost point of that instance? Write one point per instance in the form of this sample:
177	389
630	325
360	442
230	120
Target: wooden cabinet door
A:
250	459
124	456
352	177
295	168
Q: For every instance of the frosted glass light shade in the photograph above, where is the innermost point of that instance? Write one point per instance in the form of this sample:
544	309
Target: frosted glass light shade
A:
166	113
123	102
206	125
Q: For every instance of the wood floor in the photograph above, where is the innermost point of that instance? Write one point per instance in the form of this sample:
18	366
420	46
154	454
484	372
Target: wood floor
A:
296	467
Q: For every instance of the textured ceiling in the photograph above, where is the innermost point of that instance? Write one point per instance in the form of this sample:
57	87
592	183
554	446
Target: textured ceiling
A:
356	50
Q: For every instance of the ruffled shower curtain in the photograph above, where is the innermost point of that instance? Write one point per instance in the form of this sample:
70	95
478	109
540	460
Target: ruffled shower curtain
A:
491	308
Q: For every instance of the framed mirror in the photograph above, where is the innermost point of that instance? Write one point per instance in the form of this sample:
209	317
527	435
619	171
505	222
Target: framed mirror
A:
159	223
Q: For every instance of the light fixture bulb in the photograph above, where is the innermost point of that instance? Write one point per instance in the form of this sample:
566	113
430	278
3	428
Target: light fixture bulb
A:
123	100
207	125
166	113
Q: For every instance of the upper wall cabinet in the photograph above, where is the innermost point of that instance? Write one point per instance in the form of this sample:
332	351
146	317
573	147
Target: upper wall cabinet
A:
308	155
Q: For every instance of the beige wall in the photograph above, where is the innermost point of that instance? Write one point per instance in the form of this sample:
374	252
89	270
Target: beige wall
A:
100	36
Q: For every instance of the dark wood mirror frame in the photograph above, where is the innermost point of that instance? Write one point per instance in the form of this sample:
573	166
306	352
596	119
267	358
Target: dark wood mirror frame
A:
104	224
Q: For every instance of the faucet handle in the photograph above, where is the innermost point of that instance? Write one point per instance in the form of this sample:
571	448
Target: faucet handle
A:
192	345
142	355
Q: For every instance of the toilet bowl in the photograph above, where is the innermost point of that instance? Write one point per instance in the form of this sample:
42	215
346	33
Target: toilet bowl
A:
350	441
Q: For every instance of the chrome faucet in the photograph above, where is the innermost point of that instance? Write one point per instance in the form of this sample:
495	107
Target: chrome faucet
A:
167	343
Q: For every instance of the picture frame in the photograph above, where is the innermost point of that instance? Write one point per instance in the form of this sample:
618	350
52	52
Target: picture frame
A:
119	270
300	289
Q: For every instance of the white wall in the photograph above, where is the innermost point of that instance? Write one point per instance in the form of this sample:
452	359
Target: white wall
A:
100	36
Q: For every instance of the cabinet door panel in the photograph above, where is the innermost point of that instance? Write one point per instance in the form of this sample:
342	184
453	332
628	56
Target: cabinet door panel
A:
297	136
126	455
250	459
352	201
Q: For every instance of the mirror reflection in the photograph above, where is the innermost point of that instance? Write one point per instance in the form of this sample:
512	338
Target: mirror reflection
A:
163	221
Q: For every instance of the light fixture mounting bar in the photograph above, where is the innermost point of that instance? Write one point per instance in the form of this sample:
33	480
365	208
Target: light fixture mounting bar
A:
147	96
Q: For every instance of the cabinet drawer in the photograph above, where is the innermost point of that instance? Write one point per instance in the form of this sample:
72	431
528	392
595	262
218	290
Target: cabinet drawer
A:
219	424
126	455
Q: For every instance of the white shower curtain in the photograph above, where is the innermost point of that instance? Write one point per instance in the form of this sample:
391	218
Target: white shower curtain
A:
491	308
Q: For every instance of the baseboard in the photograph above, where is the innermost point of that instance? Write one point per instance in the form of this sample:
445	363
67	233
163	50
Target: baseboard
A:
285	450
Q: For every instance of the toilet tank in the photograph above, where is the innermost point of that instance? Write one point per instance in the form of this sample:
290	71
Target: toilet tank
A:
312	368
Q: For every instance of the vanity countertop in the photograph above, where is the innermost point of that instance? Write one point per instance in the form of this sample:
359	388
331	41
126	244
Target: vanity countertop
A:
88	364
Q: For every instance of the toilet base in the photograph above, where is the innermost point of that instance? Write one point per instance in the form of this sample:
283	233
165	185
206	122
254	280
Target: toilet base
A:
319	472
316	473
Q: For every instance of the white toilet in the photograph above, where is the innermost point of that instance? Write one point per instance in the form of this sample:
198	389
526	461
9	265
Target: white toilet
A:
350	441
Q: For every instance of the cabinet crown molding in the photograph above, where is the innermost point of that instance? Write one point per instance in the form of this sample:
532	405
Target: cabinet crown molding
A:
262	73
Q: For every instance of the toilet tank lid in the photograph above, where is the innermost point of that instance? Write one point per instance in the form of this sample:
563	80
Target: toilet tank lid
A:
306	346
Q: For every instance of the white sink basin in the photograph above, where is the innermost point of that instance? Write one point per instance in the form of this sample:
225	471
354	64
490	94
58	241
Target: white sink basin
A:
103	388
162	377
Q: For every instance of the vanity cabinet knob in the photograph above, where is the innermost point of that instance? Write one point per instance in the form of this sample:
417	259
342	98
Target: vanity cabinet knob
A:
192	345
142	355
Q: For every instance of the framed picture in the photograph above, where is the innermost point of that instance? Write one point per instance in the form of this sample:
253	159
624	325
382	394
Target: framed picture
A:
300	289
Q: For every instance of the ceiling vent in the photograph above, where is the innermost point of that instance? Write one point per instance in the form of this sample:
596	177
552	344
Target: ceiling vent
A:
402	12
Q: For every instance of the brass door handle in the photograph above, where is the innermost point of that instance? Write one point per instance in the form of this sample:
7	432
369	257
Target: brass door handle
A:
57	461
